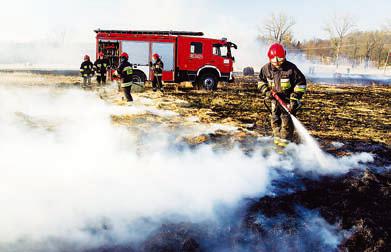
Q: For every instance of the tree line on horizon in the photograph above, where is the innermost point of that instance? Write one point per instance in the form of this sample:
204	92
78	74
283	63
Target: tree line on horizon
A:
346	43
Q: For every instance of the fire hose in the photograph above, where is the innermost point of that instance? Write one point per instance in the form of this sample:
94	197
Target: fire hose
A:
281	103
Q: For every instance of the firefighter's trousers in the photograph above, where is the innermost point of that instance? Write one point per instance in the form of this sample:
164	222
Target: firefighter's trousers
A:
101	79
127	87
86	81
282	125
157	82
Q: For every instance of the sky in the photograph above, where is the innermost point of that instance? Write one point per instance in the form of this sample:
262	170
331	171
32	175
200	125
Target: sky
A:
73	21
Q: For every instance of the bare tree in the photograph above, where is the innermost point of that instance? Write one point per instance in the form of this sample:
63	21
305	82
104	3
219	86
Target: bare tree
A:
278	28
380	49
355	51
370	45
338	28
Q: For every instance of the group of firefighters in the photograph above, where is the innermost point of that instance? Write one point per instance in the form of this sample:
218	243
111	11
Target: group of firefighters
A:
124	71
99	67
278	77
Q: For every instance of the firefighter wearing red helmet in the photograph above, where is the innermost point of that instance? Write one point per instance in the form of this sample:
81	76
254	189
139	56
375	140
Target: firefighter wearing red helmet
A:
125	71
100	67
157	67
285	79
86	71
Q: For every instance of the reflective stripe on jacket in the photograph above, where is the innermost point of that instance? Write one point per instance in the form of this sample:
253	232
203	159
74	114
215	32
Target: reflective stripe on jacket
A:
284	80
87	68
125	70
127	84
100	66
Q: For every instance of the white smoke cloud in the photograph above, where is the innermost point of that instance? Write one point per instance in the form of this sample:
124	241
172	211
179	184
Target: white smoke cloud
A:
64	163
65	168
309	231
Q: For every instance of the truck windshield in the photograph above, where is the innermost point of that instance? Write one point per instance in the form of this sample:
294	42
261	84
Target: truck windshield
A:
221	50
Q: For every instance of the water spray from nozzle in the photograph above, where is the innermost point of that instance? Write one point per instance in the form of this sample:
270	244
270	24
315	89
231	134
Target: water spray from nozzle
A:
303	133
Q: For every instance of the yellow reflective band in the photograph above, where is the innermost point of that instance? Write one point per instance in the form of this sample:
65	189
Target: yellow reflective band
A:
285	84
127	84
271	82
300	88
283	143
294	98
128	70
260	84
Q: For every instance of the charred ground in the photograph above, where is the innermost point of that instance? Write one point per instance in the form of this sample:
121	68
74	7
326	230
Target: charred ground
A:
344	119
358	202
340	112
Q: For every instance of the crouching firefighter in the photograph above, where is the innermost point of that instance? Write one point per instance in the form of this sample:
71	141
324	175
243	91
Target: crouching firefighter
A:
284	79
86	71
125	71
157	67
100	67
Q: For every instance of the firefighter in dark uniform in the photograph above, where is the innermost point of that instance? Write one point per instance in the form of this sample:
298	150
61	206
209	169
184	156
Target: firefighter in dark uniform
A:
157	67
86	71
285	79
125	71
100	67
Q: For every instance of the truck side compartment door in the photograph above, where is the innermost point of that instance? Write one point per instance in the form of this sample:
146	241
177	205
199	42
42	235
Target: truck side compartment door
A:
167	55
138	52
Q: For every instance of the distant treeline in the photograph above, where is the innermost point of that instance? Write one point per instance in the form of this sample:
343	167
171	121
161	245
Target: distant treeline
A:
359	48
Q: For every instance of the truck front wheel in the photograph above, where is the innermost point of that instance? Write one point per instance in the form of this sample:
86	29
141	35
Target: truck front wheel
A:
207	81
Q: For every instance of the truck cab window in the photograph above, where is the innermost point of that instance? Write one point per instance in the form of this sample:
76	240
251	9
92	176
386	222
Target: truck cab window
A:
216	50
196	48
224	51
220	50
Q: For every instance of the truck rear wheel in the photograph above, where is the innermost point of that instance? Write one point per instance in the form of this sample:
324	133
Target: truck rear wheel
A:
207	81
138	77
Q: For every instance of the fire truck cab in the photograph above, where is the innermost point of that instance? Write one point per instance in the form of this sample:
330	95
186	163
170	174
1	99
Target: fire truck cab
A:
187	56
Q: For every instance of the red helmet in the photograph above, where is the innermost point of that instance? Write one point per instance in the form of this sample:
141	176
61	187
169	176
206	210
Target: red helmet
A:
101	54
86	57
156	56
276	50
124	55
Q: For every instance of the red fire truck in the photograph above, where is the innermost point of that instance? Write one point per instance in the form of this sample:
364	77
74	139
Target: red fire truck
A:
187	56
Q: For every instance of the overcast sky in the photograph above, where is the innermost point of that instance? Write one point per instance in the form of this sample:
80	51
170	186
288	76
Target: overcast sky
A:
26	21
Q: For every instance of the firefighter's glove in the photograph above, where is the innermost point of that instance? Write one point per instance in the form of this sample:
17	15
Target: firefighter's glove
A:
267	95
295	103
265	90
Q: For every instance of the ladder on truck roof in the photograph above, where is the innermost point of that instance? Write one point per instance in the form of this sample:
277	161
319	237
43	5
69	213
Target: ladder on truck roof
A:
184	33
